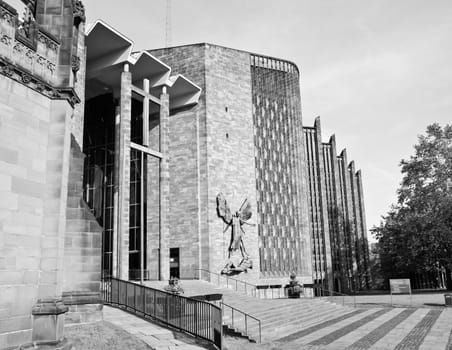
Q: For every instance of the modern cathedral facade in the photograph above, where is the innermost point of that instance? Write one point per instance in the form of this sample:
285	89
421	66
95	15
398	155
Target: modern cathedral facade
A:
112	163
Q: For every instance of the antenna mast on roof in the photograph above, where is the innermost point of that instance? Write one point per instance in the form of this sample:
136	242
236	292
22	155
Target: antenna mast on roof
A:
168	23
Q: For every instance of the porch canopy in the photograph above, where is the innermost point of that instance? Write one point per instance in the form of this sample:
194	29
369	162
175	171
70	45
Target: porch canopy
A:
108	51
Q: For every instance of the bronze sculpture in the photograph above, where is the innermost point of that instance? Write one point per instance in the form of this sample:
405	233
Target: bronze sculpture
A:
235	221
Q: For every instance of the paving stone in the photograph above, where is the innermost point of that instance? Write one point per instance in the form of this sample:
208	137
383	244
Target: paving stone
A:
379	332
347	329
440	333
395	336
306	340
449	343
315	328
414	339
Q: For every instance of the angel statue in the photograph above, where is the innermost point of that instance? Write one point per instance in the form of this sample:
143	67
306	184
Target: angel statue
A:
235	221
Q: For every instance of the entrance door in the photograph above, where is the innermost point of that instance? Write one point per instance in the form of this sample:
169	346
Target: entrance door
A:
174	263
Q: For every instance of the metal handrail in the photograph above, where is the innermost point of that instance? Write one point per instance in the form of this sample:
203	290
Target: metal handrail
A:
248	286
324	294
199	318
246	317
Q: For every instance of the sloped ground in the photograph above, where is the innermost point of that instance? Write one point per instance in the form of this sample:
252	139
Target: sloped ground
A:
102	336
421	322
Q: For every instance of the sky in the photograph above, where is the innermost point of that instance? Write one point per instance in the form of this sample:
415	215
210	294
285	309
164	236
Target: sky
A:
377	72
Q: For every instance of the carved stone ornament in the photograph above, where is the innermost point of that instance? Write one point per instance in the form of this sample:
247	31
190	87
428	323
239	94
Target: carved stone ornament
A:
55	93
6	16
52	46
51	67
18	48
5	39
42	39
41	60
30	54
31	4
40	87
79	12
75	62
26	78
8	70
74	100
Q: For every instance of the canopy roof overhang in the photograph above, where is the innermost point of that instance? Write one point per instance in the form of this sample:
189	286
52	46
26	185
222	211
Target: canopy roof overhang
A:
108	51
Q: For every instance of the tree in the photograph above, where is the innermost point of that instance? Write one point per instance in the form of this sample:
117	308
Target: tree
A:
416	235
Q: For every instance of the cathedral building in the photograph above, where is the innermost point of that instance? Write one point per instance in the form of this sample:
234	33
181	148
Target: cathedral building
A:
187	161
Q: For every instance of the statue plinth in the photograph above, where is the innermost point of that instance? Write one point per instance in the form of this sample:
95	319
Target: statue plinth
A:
48	326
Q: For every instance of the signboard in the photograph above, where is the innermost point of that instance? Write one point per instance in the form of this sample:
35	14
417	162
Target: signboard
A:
400	286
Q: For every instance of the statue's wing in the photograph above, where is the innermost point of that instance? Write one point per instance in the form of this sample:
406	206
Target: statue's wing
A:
223	209
245	211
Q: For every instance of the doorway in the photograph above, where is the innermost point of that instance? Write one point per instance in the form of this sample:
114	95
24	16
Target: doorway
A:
174	262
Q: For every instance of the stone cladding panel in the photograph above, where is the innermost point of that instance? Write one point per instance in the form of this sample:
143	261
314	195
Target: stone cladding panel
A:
230	150
284	243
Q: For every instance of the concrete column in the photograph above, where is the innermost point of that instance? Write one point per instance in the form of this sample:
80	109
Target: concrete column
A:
323	206
164	188
349	217
356	226
115	258
305	248
339	215
122	145
359	185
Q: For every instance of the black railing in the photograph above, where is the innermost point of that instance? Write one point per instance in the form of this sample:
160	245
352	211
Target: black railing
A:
331	296
262	291
199	318
236	284
242	322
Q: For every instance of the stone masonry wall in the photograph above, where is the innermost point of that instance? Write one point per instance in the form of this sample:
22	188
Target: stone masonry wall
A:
187	166
211	151
230	150
34	163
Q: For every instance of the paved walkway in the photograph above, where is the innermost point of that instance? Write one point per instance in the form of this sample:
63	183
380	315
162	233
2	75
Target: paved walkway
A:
364	329
379	329
157	337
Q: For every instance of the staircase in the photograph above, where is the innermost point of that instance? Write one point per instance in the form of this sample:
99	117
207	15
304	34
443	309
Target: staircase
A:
83	238
278	317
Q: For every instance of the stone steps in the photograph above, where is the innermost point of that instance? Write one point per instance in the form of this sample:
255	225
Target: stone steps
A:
278	317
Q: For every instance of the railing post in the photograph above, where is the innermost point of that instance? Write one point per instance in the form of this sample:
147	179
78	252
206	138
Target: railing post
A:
144	301
260	332
246	325
167	309
232	317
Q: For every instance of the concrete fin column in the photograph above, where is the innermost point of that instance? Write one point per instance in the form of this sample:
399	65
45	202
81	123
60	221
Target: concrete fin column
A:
363	228
122	147
164	188
323	205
